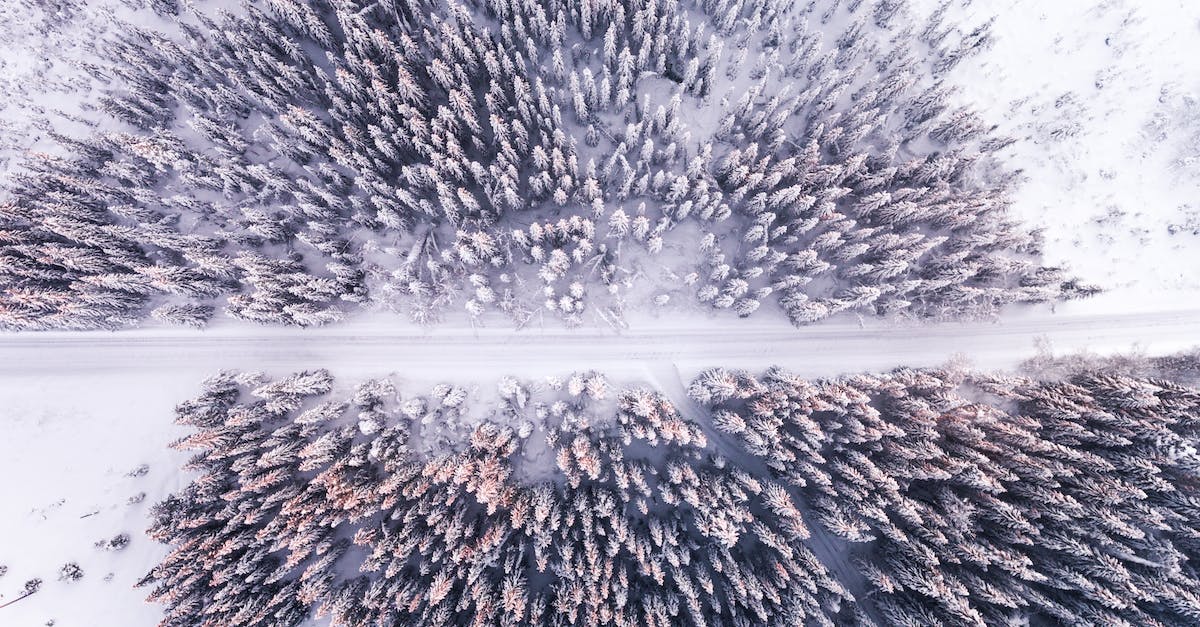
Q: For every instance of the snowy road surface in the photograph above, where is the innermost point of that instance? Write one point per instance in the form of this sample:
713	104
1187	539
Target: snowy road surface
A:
820	350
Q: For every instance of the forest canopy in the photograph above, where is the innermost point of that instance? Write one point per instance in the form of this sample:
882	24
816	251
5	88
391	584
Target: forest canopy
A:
291	161
916	497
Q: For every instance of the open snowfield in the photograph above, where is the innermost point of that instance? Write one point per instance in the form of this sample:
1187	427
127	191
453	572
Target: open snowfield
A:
1103	99
71	446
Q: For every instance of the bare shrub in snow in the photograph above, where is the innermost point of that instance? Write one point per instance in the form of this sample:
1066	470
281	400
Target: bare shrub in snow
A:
70	572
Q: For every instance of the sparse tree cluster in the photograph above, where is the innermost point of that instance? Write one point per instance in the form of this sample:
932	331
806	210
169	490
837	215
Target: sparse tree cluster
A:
297	158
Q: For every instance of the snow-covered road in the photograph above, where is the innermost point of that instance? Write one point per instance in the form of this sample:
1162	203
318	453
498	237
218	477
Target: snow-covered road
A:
379	347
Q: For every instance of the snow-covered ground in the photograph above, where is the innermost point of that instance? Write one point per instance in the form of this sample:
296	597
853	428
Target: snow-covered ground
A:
1103	99
71	456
